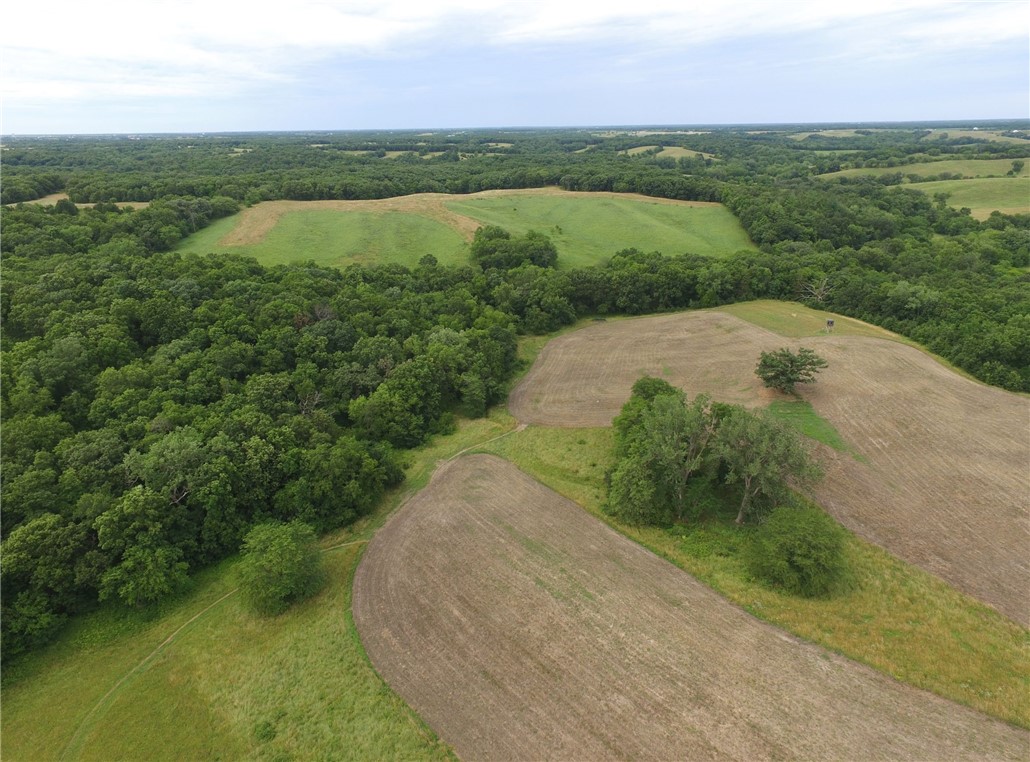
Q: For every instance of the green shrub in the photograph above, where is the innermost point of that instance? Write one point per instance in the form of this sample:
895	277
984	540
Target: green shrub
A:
281	564
800	549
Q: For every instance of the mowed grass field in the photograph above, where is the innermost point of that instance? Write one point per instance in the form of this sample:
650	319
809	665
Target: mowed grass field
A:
338	239
586	228
992	135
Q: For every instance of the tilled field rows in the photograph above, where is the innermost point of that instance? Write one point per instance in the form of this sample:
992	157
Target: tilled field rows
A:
520	627
942	477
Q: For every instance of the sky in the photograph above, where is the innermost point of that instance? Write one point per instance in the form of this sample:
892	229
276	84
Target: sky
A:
225	65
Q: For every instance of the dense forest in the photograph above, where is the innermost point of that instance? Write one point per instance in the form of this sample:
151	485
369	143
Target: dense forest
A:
155	406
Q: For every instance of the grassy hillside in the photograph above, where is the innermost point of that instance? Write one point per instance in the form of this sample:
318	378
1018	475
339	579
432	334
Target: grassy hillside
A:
964	167
338	239
588	231
985	195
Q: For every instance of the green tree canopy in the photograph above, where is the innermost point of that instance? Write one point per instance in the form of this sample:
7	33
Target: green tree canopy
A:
800	549
782	369
281	564
764	457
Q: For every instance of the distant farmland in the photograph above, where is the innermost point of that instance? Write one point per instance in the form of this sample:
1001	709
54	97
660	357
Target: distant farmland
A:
985	195
964	167
587	228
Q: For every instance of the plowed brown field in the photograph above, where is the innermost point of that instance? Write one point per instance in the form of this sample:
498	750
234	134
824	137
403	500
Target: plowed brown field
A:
943	475
520	627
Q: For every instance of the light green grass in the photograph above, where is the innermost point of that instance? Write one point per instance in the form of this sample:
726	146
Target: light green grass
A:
800	415
588	231
966	167
205	241
897	619
797	321
828	134
1010	195
228	679
337	239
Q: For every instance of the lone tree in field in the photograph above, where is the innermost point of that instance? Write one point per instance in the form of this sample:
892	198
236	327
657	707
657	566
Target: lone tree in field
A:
782	369
764	457
281	564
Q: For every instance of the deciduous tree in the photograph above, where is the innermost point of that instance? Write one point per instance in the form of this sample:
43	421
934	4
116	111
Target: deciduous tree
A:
782	369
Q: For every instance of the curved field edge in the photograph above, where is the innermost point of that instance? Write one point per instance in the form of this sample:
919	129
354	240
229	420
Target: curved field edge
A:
519	626
937	470
229	685
897	618
590	234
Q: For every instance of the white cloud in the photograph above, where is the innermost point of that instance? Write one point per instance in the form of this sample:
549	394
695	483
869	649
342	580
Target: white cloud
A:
64	51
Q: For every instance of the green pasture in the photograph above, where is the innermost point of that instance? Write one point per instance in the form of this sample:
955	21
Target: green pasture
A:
1010	195
588	231
992	135
673	152
965	167
340	238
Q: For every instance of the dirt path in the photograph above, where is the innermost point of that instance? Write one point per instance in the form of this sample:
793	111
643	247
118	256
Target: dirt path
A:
256	222
520	627
943	474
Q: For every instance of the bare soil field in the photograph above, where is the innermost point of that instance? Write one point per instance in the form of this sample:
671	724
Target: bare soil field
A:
255	222
520	627
942	473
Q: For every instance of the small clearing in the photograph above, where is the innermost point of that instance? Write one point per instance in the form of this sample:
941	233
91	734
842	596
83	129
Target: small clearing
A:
939	477
520	627
53	198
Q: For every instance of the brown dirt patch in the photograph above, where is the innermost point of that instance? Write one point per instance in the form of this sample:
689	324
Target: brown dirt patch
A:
520	627
941	479
53	198
256	222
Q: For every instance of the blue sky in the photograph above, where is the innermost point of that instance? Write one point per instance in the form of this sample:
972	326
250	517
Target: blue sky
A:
228	65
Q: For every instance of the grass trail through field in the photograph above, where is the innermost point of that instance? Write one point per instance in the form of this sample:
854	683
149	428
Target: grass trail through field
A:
96	711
